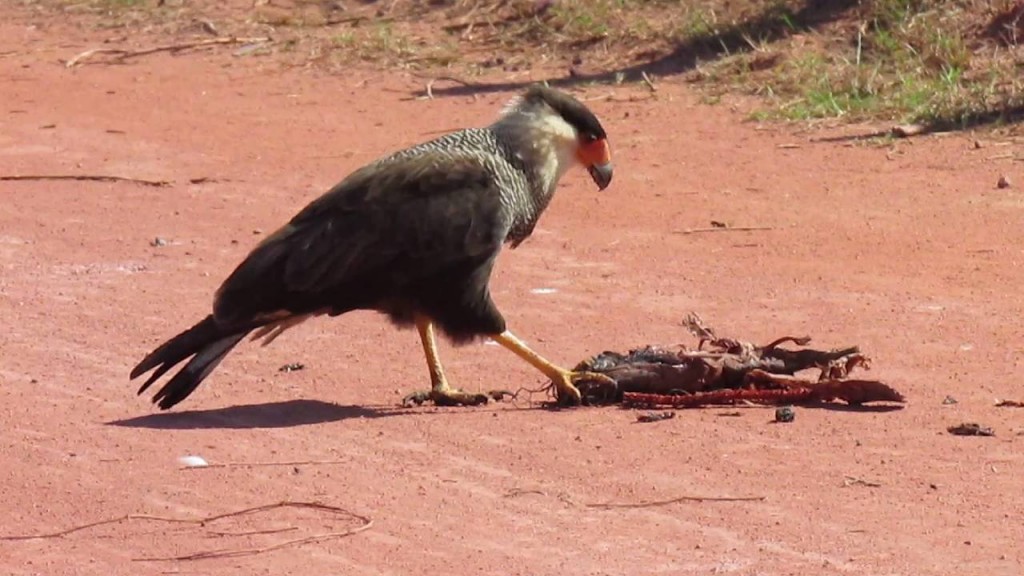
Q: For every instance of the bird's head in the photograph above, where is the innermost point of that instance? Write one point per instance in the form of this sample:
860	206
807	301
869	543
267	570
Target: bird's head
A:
561	132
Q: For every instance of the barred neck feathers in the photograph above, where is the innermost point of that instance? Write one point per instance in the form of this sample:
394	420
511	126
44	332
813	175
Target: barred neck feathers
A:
541	138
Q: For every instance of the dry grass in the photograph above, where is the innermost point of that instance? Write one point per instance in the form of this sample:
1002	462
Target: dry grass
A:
947	62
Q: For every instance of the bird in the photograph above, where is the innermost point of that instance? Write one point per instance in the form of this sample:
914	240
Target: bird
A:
414	236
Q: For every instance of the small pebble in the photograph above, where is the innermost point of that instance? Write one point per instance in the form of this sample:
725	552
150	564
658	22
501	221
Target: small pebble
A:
1003	182
192	462
785	414
158	242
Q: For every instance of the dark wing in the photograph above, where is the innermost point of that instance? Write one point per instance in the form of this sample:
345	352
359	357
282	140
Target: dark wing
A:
385	227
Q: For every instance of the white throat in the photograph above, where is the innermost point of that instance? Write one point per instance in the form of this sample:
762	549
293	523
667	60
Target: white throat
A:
545	137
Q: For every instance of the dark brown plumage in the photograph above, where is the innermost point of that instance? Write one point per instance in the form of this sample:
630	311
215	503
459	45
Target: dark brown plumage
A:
413	235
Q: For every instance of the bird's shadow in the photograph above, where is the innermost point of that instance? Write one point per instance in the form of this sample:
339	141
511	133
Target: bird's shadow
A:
285	414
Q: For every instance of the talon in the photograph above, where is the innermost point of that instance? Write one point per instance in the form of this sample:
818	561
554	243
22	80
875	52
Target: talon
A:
499	395
593	377
566	392
417	398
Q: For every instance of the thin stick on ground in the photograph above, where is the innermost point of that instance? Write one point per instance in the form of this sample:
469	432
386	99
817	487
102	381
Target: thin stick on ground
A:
855	481
655	503
208	555
266	464
120	54
725	229
253	532
86	178
460	81
98	523
365	524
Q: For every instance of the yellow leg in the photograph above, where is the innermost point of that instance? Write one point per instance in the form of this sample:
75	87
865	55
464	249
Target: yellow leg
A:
440	392
564	380
425	327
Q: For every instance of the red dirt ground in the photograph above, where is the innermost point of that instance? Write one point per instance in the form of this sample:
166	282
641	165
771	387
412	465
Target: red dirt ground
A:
910	251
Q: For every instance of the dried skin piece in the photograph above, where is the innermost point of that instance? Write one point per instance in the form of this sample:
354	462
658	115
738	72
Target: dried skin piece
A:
655	416
970	429
651	370
854	392
841	367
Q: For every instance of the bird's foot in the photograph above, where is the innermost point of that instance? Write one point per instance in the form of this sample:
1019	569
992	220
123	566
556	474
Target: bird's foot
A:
449	397
565	381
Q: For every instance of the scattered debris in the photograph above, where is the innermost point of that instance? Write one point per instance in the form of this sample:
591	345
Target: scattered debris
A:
292	367
1003	182
120	54
949	400
785	414
655	416
970	429
1010	404
158	242
854	481
87	178
732	372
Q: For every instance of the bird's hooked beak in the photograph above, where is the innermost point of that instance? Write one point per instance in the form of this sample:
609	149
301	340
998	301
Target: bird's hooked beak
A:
597	157
602	174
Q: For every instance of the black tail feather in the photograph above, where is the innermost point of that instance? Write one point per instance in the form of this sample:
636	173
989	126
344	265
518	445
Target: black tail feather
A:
206	341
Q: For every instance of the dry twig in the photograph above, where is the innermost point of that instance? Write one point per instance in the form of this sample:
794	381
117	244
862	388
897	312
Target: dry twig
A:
366	523
725	229
86	178
655	503
265	464
647	80
854	481
120	54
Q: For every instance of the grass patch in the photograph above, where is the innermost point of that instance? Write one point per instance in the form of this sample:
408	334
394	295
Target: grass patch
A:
947	62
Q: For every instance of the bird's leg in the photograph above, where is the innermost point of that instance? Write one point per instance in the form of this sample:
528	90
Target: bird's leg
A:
563	380
440	392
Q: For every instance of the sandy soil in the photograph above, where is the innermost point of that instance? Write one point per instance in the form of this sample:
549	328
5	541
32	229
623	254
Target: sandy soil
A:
910	251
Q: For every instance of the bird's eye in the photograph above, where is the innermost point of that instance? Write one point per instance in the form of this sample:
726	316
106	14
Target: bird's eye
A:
589	137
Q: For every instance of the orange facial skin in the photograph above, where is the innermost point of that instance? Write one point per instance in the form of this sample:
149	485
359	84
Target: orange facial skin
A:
595	153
